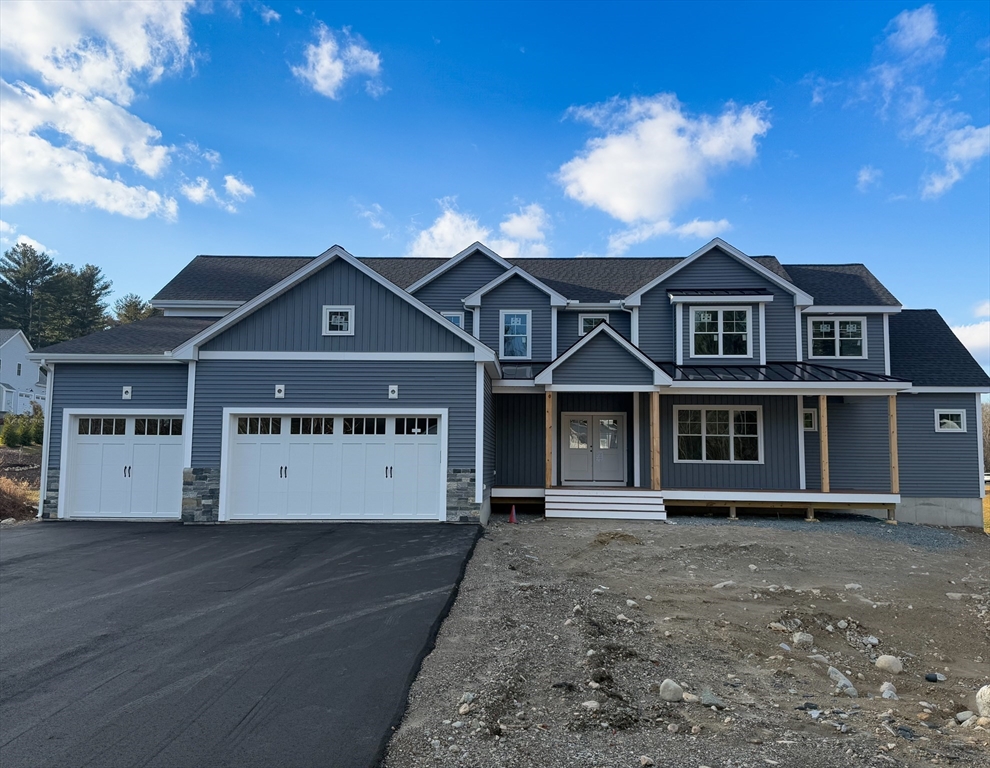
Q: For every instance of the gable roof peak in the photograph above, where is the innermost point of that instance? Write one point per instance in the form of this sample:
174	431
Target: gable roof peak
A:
457	258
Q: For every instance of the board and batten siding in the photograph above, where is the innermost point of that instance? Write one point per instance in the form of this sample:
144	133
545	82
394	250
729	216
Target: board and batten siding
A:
517	294
779	471
602	361
858	444
90	385
293	322
657	331
937	464
520	423
250	384
489	436
873	363
812	451
447	292
567	326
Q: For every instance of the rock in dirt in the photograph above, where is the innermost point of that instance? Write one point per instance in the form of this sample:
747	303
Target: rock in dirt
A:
853	587
632	604
690	698
645	761
671	691
591	706
954	595
802	640
842	624
935	677
842	683
673	728
709	699
890	664
724	584
962	717
467	697
983	701
888	691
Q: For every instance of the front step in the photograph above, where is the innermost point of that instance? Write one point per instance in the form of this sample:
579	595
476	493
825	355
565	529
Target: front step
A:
605	503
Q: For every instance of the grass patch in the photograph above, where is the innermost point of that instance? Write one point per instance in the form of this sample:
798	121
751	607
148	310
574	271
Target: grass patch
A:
17	500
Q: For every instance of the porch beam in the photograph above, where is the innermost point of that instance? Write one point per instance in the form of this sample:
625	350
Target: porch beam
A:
548	468
823	439
895	478
655	441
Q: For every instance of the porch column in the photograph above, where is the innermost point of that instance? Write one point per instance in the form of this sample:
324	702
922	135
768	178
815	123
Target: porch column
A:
895	478
655	441
823	439
548	467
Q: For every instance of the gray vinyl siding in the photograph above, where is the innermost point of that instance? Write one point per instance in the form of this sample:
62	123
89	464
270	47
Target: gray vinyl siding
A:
334	383
383	321
596	402
715	270
755	331
87	385
858	444
874	347
446	293
812	452
517	294
489	436
602	361
780	470
937	464
567	326
520	423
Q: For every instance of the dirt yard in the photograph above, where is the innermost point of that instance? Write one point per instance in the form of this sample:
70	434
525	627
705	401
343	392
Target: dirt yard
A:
22	464
544	661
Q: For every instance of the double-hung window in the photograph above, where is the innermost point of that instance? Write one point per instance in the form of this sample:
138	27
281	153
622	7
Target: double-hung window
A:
517	334
718	434
837	337
338	321
588	323
721	332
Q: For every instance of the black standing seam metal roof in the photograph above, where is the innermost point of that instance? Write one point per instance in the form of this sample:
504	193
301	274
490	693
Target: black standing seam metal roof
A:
806	373
925	351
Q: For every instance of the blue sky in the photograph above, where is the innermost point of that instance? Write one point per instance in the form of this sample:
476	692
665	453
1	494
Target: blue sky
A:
136	137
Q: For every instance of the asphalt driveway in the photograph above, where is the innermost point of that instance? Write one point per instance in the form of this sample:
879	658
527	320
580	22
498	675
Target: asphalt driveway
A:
130	644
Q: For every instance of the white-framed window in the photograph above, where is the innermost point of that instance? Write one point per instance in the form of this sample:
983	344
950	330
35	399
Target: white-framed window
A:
837	337
588	323
809	419
721	332
950	420
457	318
338	320
517	334
718	434
18	369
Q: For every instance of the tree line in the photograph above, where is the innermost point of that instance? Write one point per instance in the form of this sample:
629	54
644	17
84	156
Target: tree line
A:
52	302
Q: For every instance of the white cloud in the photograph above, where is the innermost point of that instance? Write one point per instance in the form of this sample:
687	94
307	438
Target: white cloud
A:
867	178
331	61
7	229
914	35
960	149
6	232
699	229
268	15
976	338
39	247
524	233
373	215
655	158
451	233
87	58
982	310
237	189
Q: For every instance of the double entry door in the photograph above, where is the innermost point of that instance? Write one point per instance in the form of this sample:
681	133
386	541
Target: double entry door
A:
593	448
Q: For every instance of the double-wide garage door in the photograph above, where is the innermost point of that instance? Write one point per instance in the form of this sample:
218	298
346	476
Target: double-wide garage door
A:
124	467
323	467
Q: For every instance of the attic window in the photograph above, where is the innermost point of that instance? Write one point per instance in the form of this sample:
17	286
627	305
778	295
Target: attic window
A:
338	320
588	323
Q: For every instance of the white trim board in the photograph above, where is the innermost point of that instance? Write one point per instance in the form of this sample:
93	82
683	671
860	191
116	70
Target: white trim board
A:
947	390
979	443
851	309
369	356
46	445
801	497
741	298
602	514
229	414
837	319
800	297
190	409
479	434
43	359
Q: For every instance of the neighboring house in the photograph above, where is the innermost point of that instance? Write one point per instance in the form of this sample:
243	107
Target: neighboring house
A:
22	382
422	389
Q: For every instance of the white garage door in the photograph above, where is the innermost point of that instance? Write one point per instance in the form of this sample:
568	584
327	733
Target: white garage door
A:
125	467
319	467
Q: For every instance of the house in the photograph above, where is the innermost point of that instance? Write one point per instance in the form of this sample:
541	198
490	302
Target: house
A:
22	382
423	389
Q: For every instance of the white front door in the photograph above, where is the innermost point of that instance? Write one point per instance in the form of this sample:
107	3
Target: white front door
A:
324	467
593	448
124	467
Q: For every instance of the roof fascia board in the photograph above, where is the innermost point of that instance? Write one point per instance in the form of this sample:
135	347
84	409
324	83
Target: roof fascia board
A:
659	377
634	299
41	357
556	299
189	348
193	304
728	299
948	390
852	309
457	259
593	306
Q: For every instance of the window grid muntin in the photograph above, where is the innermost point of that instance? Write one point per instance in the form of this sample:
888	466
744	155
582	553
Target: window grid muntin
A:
364	425
259	425
311	425
831	337
583	318
417	425
101	426
152	427
338	320
510	319
735	322
692	434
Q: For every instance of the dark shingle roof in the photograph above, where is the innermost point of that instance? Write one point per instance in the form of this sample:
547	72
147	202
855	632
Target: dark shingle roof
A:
596	278
229	278
6	334
835	284
925	351
402	271
144	337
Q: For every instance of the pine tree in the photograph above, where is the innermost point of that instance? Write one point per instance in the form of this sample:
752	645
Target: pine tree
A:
25	275
130	308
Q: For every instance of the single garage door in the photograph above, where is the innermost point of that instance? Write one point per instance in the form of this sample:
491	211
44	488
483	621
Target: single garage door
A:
125	467
320	467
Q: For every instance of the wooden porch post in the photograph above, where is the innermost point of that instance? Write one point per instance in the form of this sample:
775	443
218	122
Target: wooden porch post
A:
548	469
895	475
655	441
823	439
